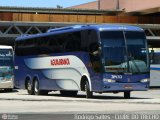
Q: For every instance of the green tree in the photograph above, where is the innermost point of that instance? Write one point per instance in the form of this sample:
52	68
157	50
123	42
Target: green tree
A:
58	6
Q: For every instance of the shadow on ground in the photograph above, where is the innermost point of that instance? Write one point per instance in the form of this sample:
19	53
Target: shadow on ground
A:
8	91
100	97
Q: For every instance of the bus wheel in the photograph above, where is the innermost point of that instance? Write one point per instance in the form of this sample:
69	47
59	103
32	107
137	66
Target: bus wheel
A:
30	88
37	91
127	94
68	93
89	94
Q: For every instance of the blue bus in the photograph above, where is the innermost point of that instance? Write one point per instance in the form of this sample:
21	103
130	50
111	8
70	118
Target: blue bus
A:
90	58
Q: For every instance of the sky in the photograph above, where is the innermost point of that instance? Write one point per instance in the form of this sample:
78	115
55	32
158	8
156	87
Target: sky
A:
42	3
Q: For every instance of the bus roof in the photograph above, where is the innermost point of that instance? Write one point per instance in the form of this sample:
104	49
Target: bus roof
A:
101	27
5	47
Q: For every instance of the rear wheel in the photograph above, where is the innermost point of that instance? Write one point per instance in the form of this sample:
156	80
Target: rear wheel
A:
89	94
68	93
30	88
127	94
37	91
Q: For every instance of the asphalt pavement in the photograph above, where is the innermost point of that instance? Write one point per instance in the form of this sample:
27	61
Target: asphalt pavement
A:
146	97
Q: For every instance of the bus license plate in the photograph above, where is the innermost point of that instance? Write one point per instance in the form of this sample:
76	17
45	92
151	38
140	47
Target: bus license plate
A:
128	86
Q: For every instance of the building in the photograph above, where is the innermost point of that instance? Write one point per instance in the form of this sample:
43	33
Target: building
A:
141	7
15	21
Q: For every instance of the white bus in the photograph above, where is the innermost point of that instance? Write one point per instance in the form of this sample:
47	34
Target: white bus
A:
6	68
155	67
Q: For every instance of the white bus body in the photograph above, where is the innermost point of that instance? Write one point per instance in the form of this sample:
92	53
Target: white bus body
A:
6	67
155	67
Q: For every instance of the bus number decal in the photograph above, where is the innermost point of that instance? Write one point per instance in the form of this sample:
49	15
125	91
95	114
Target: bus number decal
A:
64	61
116	76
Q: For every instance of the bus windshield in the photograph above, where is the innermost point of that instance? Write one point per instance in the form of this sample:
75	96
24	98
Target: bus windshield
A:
124	52
6	57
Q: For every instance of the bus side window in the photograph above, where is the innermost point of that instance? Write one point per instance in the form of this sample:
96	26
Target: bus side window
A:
154	55
94	56
51	44
73	41
84	41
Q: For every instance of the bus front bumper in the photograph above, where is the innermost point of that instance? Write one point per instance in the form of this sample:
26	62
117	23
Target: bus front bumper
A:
118	87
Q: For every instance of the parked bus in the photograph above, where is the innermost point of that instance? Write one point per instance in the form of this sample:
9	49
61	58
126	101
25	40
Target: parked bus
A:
90	58
155	67
6	68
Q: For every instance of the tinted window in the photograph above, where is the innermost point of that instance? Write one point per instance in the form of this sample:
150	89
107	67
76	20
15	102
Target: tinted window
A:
6	57
66	42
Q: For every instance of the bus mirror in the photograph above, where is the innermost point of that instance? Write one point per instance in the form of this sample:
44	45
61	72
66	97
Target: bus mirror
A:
99	50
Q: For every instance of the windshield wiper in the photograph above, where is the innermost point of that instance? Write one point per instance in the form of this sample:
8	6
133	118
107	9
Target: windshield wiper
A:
133	61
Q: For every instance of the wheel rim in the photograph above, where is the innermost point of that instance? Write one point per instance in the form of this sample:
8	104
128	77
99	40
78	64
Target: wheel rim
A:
36	86
29	85
85	87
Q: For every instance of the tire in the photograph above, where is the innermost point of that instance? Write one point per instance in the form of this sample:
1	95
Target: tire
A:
89	94
127	94
30	88
36	89
68	93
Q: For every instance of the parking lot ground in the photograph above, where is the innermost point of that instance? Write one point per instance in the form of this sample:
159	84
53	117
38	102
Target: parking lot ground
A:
48	107
146	97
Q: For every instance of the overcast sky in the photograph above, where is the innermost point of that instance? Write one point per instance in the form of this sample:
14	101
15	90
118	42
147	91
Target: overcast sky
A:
42	3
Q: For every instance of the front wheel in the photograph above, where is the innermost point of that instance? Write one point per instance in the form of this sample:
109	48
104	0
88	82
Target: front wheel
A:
89	94
37	91
127	94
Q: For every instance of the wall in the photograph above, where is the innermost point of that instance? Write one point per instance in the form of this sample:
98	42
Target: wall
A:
90	5
30	17
139	5
108	4
128	5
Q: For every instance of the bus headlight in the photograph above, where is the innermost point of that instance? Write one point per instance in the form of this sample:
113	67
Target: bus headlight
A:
108	80
145	80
